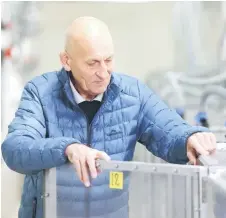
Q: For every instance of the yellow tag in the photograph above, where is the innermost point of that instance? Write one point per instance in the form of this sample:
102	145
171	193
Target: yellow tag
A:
116	180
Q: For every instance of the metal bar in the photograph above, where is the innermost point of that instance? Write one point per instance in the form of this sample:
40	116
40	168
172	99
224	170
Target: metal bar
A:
188	197
195	184
208	161
221	146
170	196
150	191
203	206
218	180
50	194
154	168
218	158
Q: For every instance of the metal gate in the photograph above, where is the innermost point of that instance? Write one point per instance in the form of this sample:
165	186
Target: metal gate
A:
144	190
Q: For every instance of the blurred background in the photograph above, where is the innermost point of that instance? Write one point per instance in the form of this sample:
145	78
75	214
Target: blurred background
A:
176	48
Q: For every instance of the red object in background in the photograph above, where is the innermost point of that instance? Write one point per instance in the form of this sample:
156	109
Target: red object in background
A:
8	52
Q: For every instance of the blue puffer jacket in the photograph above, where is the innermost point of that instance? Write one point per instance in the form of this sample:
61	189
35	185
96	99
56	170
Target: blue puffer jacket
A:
48	120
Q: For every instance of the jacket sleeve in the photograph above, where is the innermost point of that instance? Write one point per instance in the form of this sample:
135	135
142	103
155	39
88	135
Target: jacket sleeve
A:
162	130
26	149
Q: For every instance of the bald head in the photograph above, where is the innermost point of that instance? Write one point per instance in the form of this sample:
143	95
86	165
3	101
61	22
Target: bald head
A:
85	29
88	55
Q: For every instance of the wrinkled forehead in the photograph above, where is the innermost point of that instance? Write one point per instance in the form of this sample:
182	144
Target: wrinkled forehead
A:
100	46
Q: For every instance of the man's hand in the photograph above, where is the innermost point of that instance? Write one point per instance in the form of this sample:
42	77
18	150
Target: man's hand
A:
83	159
200	144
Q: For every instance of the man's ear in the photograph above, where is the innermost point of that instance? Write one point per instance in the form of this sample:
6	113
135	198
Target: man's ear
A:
64	61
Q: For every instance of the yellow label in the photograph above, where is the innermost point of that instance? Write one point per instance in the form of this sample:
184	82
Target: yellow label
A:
116	180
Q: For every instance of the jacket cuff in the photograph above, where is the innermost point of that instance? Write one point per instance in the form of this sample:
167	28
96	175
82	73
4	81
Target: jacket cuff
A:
180	147
65	143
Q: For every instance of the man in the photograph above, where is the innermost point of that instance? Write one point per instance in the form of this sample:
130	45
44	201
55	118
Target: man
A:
86	111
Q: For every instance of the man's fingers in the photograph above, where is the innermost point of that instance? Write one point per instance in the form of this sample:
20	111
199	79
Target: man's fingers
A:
85	173
208	142
205	140
198	147
213	142
102	155
202	141
92	165
192	158
84	161
77	166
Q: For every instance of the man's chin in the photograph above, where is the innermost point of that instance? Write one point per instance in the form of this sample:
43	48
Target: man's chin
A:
99	90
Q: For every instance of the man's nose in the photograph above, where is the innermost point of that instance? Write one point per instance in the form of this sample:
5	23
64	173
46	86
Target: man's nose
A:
102	74
103	66
103	71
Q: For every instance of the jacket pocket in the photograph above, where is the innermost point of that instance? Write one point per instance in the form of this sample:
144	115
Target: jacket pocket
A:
34	207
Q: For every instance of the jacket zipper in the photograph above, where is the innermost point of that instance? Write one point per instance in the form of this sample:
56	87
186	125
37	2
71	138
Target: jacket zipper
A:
89	125
87	193
34	204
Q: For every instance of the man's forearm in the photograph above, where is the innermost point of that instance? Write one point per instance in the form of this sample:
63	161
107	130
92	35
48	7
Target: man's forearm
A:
26	155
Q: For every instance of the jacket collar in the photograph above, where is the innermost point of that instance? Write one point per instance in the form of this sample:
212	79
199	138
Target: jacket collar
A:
79	99
110	94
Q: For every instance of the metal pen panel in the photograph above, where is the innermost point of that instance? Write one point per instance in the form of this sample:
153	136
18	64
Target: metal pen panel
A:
125	190
144	189
50	193
214	186
216	193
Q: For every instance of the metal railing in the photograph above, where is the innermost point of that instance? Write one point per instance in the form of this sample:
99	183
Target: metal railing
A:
138	189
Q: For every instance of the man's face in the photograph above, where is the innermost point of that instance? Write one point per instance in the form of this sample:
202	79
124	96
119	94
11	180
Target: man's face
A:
92	64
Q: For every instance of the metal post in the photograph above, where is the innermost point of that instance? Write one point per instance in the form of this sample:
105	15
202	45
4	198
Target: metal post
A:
50	193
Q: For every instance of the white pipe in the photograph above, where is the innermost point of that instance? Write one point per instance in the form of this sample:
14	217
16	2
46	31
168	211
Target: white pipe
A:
218	129
215	79
212	90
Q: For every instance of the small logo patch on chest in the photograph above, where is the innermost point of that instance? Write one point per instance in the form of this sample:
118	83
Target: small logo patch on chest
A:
114	132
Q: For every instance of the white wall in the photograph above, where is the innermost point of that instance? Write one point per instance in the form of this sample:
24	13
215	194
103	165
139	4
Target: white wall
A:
142	33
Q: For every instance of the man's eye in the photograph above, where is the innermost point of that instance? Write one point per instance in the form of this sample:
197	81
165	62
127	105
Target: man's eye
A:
91	63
